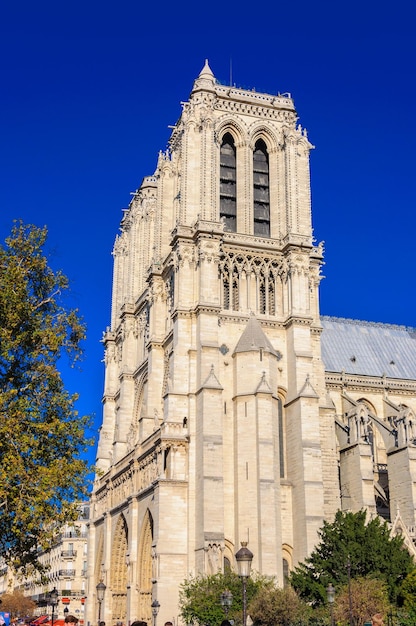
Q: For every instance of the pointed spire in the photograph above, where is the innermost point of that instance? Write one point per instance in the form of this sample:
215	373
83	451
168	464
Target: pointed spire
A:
307	390
206	79
211	381
263	386
206	71
253	338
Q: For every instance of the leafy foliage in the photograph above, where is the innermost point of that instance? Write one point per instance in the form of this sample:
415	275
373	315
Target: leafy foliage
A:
17	604
366	547
402	618
368	598
278	607
199	597
408	592
41	433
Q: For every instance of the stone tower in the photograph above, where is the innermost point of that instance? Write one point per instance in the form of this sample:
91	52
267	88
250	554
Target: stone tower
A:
216	427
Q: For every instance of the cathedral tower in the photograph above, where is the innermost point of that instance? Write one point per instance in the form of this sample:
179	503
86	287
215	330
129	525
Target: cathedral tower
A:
216	428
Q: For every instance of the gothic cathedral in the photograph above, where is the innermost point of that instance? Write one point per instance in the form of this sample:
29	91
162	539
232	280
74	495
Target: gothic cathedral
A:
233	412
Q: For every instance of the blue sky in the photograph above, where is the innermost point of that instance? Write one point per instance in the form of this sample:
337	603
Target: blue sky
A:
88	90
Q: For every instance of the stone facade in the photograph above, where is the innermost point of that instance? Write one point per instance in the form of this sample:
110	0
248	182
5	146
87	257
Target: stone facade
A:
220	421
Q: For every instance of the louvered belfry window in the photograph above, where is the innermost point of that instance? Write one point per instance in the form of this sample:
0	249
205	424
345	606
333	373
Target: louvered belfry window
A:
228	184
261	190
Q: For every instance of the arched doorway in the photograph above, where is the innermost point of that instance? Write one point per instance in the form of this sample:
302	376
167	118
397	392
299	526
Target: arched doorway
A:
145	569
118	576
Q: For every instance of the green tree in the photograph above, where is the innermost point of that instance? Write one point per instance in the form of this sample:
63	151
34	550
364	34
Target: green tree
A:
272	606
352	547
17	604
368	598
42	437
199	597
408	592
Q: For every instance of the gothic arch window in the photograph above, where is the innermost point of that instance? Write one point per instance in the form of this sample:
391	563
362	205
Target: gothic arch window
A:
285	572
367	404
231	289
249	281
262	294
272	295
228	184
228	556
226	293
261	195
236	292
287	562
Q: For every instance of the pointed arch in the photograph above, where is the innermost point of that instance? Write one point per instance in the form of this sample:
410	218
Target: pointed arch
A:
228	556
118	574
140	400
272	140
287	562
232	126
145	568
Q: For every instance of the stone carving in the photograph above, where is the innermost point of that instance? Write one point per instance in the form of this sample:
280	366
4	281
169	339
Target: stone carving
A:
120	246
154	565
208	251
214	551
406	427
132	437
110	353
359	422
156	419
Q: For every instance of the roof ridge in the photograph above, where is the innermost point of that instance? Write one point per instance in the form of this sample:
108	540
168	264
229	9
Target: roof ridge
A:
353	322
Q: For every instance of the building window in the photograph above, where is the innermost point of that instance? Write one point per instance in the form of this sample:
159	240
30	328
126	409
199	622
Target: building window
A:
261	195
226	293
285	572
236	293
262	295
231	291
272	295
228	184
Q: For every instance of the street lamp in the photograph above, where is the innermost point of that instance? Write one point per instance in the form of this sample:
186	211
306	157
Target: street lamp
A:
100	597
226	601
155	610
244	558
53	601
330	594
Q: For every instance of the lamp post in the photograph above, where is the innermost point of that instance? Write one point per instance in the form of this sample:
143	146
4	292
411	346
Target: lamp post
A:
155	610
53	601
226	601
244	558
100	597
330	594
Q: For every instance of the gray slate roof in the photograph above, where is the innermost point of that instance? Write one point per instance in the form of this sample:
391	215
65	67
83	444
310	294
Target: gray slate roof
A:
368	348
